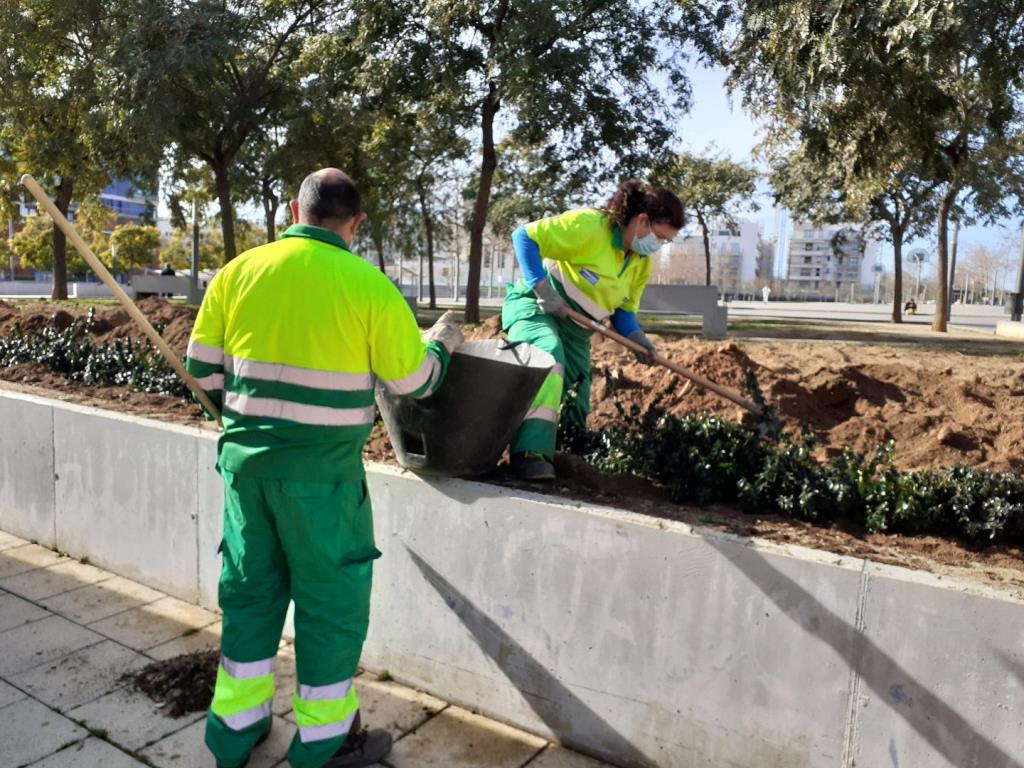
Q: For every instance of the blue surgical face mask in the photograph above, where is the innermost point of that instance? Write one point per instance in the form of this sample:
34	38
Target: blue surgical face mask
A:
646	245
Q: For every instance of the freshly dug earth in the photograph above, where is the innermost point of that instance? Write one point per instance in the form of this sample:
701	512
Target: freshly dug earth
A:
182	684
174	321
941	406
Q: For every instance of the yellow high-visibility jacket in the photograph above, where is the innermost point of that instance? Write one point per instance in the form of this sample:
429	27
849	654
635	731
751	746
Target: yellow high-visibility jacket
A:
287	343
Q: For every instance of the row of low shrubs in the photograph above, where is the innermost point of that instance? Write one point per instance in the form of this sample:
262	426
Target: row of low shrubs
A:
704	459
69	352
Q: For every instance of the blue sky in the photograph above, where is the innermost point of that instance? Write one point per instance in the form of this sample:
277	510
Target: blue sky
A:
720	122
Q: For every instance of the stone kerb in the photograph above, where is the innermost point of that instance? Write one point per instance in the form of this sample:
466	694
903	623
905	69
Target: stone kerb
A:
637	640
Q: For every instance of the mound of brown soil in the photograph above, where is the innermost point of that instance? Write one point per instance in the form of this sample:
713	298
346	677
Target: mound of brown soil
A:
111	322
940	408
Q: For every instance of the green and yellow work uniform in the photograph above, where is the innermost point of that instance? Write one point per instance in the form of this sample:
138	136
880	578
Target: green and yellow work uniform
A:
288	342
581	254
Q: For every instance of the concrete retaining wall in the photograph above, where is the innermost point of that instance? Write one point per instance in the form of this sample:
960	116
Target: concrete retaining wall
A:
75	290
637	640
1010	329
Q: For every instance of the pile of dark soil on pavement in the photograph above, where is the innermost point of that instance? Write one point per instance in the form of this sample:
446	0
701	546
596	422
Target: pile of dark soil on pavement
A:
180	685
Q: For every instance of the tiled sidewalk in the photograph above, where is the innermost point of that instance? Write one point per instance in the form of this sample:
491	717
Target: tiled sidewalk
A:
69	631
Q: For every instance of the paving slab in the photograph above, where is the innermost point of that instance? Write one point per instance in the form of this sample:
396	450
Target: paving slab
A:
98	601
186	749
30	731
205	639
284	680
130	719
558	757
155	623
41	641
394	707
9	694
46	582
14	611
457	738
82	676
91	753
25	558
8	540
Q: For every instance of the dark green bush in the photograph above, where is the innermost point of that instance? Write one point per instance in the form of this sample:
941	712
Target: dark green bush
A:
68	352
704	459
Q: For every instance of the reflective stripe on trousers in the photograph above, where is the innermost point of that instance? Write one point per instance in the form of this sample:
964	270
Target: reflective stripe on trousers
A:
325	711
244	692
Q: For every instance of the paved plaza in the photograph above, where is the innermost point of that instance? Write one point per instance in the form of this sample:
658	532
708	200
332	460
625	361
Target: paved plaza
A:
70	631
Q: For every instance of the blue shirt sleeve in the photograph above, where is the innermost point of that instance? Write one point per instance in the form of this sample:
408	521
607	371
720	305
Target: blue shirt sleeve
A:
624	322
528	256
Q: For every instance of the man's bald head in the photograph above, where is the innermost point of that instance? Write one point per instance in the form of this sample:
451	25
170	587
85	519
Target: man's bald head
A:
328	198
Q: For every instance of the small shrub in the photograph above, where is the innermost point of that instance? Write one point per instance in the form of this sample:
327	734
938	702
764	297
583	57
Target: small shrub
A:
68	352
704	459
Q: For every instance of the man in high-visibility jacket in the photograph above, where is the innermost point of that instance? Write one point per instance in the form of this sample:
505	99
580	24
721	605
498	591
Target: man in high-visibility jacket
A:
288	342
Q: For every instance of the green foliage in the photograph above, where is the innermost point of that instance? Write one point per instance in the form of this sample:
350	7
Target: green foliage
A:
704	459
33	245
68	352
711	187
135	245
61	120
216	77
878	91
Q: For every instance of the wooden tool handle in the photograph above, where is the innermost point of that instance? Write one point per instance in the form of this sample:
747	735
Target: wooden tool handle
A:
101	272
696	378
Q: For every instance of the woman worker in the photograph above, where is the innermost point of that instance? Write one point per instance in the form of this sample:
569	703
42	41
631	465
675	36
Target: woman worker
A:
595	262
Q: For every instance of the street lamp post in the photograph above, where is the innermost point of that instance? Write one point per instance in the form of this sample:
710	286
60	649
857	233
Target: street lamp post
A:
10	237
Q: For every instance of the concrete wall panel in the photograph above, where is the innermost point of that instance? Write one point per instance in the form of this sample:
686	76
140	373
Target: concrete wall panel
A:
941	680
210	503
26	468
610	632
634	639
126	496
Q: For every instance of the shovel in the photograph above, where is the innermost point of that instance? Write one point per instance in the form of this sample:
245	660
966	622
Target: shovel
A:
101	272
696	378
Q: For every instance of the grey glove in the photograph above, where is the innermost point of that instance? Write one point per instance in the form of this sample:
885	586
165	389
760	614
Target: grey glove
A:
446	332
639	337
548	299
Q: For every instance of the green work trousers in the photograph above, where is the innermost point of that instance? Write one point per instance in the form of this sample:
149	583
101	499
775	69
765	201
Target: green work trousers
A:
569	344
308	542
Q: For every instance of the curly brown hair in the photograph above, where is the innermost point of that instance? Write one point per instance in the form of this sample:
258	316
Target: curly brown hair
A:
631	198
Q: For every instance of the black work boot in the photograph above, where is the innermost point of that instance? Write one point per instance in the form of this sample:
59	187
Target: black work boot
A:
362	747
533	467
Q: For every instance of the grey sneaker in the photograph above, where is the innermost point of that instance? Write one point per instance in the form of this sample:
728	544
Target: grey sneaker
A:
533	467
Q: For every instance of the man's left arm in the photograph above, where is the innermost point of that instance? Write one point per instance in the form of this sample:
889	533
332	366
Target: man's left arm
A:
204	360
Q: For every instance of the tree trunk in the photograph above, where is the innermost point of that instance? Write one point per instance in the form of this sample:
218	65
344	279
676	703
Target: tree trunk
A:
707	247
227	213
942	299
483	199
270	203
378	244
952	266
897	267
60	242
428	228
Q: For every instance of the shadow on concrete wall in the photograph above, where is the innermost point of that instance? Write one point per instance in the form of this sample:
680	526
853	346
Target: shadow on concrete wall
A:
945	729
569	718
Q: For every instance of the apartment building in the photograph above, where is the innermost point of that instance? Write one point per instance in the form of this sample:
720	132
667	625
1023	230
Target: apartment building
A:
829	261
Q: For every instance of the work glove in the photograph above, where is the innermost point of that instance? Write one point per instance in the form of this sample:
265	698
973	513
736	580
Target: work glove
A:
445	332
639	337
548	299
